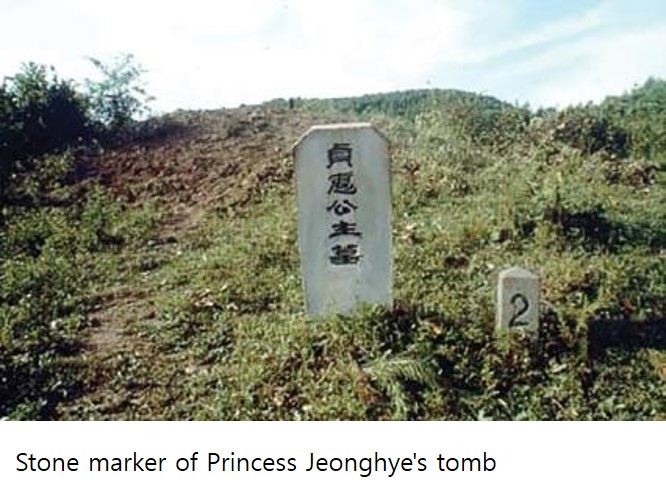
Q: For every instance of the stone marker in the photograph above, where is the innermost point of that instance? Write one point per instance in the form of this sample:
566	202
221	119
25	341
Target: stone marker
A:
344	217
518	301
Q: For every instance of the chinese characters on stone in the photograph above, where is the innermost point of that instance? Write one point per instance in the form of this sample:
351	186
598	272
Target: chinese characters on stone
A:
344	234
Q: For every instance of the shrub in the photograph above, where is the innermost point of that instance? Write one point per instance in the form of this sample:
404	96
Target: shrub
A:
119	97
643	112
39	114
590	129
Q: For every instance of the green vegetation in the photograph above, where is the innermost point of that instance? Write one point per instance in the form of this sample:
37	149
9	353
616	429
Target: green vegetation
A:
106	312
56	235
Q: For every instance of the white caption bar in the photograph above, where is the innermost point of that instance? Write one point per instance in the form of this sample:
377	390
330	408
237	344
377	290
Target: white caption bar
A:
470	456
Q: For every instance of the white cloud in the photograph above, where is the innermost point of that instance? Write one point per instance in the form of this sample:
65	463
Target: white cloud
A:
211	53
591	68
307	48
403	37
552	32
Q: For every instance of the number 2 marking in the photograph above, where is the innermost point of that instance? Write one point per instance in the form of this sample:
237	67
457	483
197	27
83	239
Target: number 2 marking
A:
520	306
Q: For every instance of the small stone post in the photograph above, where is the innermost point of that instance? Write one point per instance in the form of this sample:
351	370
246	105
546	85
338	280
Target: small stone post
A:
518	301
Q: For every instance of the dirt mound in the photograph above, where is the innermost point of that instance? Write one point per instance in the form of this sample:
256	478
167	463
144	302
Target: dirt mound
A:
195	160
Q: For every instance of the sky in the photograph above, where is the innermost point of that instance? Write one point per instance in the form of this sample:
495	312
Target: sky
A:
207	54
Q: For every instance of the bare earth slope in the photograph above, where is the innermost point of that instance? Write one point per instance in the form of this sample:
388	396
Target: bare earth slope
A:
186	164
219	159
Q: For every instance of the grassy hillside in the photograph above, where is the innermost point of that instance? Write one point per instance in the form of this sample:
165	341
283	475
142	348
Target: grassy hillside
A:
159	279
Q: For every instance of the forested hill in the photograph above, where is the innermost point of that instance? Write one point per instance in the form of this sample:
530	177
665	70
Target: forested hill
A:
398	103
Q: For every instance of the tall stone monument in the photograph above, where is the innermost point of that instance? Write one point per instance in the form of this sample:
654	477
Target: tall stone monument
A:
344	217
518	301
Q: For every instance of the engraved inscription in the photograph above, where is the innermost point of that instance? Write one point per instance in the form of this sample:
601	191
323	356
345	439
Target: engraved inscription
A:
520	307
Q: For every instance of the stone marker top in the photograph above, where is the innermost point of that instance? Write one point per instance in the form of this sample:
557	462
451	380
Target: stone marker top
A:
337	127
517	272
